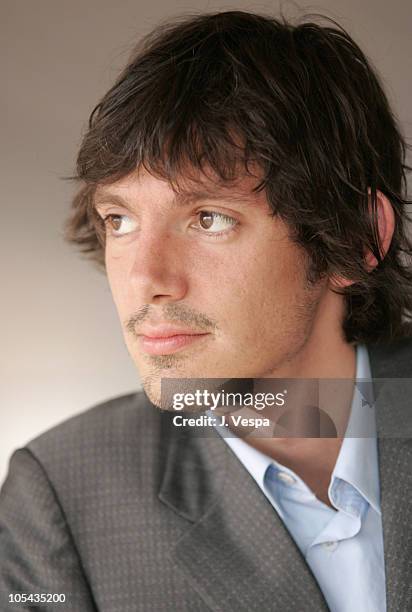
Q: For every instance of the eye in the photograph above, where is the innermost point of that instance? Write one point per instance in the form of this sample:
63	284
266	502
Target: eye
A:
119	225
214	223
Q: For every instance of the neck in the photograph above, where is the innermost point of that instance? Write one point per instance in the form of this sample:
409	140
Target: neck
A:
324	355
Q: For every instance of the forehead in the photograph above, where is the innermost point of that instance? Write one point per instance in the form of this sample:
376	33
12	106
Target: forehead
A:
141	185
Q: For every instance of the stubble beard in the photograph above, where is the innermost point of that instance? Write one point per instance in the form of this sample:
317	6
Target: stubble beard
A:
159	365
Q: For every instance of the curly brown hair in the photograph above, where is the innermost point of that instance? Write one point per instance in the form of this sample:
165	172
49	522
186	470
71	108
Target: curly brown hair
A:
306	105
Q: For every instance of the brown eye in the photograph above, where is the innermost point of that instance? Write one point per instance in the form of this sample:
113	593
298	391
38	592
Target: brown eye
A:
114	221
119	225
206	219
214	223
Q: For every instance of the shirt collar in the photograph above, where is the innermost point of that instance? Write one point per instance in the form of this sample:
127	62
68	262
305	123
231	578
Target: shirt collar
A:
357	462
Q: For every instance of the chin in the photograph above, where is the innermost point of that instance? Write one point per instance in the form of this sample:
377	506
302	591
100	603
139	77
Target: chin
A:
153	395
152	388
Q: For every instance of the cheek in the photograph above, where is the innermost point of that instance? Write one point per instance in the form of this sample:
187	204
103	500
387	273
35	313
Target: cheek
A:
265	296
264	277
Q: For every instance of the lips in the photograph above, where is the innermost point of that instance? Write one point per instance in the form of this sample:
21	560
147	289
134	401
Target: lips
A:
166	339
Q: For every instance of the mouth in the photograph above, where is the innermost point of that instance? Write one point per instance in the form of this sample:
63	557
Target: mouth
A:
168	343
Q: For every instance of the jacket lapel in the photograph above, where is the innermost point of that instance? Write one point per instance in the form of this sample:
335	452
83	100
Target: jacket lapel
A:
236	552
391	365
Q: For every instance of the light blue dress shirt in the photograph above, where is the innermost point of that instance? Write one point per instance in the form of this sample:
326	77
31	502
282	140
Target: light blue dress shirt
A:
343	547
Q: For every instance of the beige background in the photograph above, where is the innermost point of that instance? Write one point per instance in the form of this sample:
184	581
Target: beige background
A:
62	349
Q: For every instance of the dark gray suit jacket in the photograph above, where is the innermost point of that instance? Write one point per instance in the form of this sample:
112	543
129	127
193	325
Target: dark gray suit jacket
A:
121	511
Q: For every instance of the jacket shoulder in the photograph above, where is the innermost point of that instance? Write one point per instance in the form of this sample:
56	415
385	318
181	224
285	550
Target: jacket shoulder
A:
391	360
115	423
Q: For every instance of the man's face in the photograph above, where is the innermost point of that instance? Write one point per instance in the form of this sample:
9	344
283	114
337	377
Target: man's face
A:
208	285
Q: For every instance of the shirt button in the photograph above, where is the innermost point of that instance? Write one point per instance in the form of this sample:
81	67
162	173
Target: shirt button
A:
286	478
330	546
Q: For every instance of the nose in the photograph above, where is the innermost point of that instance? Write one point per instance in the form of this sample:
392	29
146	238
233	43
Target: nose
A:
158	270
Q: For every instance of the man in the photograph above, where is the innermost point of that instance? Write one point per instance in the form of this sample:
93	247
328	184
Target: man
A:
244	184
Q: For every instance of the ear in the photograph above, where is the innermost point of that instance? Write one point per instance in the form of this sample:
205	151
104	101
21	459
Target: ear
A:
386	227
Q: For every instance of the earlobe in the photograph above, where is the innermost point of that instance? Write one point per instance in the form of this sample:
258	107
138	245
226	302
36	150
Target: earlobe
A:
386	227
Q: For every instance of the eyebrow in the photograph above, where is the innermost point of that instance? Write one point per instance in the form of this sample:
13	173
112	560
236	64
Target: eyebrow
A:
180	199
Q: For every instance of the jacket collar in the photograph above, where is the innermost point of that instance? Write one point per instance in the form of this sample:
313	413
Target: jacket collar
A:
391	367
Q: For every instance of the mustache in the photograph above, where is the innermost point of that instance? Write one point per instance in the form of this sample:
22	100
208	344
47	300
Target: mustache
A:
177	313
